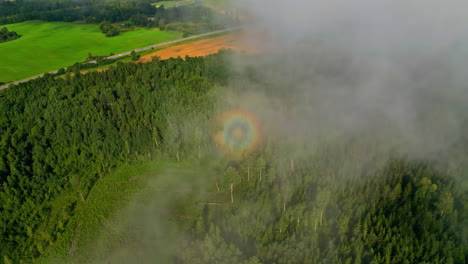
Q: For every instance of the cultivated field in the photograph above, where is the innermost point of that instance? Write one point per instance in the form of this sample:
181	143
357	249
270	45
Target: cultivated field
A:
202	47
47	46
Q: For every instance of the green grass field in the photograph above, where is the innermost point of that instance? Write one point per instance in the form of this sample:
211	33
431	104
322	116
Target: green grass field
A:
224	4
47	46
168	4
218	4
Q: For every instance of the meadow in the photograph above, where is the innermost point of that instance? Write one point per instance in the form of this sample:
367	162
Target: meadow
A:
169	4
216	4
48	46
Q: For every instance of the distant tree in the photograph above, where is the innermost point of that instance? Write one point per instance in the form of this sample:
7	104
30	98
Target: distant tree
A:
91	20
109	30
60	71
105	27
162	24
135	57
139	20
445	203
113	32
6	35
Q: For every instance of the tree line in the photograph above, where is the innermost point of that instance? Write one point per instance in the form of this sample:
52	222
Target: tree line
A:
69	11
190	19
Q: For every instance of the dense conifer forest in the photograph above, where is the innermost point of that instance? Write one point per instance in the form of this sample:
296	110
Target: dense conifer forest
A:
341	201
94	123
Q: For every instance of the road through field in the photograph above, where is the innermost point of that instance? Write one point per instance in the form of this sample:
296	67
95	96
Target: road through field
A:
136	50
233	41
175	41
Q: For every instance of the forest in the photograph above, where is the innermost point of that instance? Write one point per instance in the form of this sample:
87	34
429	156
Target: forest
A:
69	11
189	19
342	200
6	35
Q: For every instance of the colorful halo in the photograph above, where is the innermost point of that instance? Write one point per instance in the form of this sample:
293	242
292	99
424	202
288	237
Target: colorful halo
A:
237	132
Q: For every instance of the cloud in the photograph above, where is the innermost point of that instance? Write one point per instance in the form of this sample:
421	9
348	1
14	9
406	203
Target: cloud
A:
386	69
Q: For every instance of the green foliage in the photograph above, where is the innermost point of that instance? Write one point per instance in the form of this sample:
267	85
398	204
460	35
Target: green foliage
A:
136	12
109	30
169	4
6	35
60	136
69	11
134	56
72	151
392	216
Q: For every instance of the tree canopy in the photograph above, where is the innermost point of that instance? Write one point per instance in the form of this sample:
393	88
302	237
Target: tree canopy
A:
61	135
6	35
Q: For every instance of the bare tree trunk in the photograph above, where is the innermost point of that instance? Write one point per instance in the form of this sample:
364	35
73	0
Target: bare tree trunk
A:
321	217
217	186
284	207
315	226
82	198
248	173
177	155
232	195
199	152
260	175
292	165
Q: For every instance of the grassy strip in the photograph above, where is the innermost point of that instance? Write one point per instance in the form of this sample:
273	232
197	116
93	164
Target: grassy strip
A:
169	4
100	221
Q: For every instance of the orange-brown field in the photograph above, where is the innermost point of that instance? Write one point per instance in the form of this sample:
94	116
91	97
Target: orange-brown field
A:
203	47
248	41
